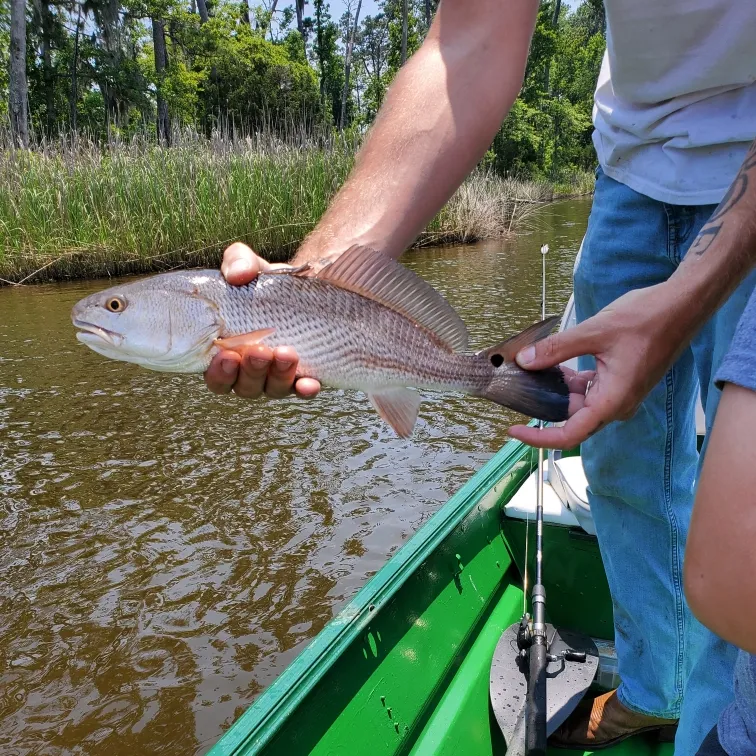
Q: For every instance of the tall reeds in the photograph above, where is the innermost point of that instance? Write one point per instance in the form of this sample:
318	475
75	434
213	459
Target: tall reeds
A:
73	208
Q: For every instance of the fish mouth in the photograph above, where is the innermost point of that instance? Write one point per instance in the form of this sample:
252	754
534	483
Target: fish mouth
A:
89	332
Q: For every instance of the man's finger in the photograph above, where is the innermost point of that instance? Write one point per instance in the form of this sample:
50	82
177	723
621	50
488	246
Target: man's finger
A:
240	264
577	429
282	373
576	382
255	363
222	372
307	388
559	347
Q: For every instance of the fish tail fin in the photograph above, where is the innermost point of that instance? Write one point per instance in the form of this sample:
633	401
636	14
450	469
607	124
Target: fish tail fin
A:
542	394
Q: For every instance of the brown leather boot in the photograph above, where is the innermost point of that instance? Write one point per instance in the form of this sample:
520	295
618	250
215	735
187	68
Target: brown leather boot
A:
604	721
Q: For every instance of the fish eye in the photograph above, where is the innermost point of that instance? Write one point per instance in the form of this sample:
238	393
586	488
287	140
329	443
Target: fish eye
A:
115	304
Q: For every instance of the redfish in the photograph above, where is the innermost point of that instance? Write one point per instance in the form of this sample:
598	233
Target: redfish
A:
362	322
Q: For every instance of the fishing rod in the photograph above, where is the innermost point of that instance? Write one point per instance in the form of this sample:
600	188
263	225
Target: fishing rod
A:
535	723
573	656
531	638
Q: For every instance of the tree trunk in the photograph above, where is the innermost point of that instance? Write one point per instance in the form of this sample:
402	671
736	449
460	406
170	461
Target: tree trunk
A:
319	34
554	23
269	23
557	9
246	17
109	23
348	66
161	63
74	98
404	31
202	8
272	12
18	87
427	14
300	16
48	77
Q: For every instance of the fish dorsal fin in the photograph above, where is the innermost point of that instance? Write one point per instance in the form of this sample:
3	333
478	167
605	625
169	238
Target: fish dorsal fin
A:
508	349
377	276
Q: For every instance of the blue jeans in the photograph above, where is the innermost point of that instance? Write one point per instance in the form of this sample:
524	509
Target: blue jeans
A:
642	472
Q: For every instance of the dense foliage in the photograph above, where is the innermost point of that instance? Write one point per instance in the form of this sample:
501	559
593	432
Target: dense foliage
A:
122	67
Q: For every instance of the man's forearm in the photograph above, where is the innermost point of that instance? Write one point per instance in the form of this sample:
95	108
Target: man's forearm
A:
722	254
439	117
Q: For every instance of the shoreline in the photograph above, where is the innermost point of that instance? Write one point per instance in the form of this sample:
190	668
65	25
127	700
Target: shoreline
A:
78	265
73	212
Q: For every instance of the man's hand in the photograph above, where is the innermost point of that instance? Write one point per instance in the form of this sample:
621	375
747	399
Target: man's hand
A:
634	341
637	338
254	369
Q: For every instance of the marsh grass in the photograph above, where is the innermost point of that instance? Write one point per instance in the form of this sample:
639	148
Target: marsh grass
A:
75	209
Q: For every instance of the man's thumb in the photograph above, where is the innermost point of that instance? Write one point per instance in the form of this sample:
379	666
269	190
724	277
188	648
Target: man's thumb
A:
556	348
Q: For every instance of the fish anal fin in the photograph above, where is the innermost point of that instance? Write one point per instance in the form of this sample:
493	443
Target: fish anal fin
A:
398	407
377	276
243	339
508	349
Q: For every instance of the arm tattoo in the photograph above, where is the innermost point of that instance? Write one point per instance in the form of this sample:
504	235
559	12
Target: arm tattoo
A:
705	237
735	193
750	161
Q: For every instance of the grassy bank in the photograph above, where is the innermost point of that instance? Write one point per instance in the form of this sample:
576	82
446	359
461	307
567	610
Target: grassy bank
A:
73	209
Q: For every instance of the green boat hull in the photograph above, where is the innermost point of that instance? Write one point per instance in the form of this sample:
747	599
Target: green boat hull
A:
404	667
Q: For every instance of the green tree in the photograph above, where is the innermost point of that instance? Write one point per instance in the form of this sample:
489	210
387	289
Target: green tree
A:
257	82
372	51
548	131
350	31
330	63
403	42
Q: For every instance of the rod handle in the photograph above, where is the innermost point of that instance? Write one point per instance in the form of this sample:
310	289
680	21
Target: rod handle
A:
535	706
574	656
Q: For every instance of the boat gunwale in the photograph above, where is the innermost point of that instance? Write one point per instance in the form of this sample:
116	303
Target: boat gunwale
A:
262	720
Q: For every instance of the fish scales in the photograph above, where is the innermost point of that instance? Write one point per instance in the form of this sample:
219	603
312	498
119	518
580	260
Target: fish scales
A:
348	341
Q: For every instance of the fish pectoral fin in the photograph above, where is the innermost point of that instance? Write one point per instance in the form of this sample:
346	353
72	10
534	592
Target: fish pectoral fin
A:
398	407
244	339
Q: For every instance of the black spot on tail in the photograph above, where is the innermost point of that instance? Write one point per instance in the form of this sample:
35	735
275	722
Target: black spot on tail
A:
542	394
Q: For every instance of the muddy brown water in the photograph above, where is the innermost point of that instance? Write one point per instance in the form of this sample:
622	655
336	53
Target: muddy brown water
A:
165	553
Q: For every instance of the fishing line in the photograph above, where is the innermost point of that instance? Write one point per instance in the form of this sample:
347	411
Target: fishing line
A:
539	492
525	579
539	488
527	542
533	638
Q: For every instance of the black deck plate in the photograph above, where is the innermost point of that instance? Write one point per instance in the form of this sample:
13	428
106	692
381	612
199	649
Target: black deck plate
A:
566	682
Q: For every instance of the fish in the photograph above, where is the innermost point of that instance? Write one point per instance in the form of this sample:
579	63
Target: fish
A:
362	322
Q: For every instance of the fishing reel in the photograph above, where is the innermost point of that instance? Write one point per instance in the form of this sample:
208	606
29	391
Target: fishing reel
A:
525	640
525	635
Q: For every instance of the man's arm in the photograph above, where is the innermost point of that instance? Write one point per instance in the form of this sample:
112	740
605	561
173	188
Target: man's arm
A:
720	559
639	336
439	117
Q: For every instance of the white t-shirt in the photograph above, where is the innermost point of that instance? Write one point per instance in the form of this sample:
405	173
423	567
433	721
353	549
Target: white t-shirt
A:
675	105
